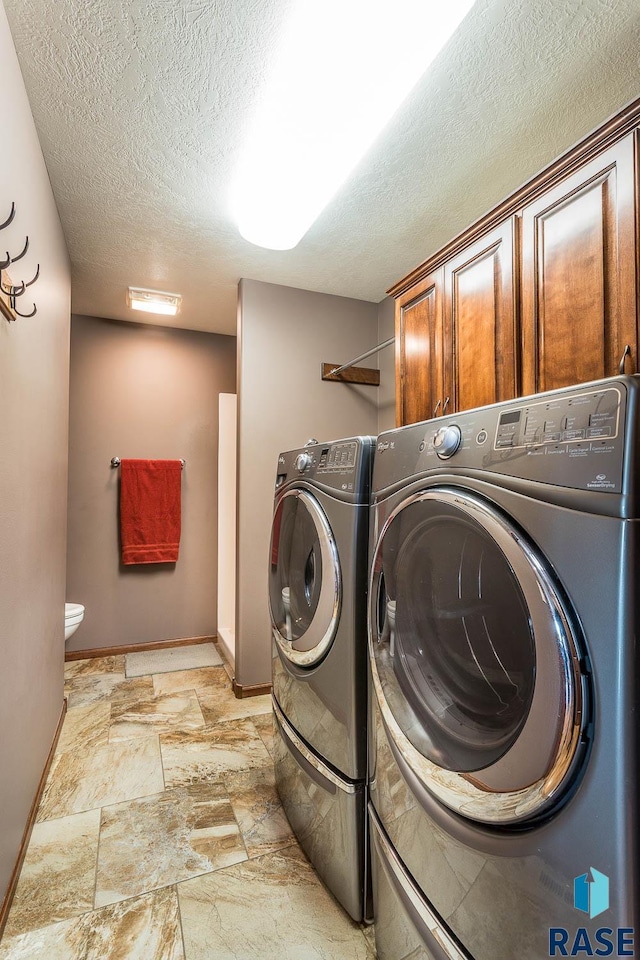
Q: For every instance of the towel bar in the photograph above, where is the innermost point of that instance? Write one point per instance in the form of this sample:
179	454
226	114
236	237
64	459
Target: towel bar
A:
115	462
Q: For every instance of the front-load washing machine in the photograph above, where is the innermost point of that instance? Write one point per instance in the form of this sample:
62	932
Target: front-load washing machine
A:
317	594
504	680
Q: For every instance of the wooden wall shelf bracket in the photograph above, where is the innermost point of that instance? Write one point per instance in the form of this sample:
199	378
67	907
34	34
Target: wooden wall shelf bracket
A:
363	375
350	373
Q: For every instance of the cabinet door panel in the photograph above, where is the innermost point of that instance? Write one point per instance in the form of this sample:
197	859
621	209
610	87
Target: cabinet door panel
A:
419	357
480	321
578	274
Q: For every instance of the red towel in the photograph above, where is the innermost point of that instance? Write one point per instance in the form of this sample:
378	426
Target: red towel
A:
150	510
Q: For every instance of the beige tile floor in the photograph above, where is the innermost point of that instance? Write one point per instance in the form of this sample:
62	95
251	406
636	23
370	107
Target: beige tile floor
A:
160	835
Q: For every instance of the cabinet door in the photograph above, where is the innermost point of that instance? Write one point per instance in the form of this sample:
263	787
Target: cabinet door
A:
419	363
480	321
578	274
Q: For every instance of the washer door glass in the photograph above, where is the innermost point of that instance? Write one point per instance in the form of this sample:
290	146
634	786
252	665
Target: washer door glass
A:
475	664
304	579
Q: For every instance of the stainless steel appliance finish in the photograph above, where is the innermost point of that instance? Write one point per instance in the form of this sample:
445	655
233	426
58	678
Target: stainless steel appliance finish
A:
327	814
317	595
504	673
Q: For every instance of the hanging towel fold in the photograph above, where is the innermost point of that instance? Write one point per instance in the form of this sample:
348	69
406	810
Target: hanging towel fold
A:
150	510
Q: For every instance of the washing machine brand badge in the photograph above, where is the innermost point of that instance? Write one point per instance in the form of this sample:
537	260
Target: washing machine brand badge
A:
386	445
591	896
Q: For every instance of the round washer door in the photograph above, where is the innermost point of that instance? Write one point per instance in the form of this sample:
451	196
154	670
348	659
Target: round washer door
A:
305	585
475	664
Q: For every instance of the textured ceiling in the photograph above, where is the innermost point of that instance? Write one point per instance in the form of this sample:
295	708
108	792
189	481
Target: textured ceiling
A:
142	105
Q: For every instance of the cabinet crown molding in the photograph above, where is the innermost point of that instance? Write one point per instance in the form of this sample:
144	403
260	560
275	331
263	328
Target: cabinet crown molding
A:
627	119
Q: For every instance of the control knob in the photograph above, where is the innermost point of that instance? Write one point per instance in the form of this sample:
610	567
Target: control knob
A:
303	460
447	440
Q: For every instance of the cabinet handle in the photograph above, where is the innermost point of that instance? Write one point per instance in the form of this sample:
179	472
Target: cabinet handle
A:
627	353
435	409
444	408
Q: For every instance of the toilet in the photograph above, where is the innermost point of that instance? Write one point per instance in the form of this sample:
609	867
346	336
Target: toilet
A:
73	617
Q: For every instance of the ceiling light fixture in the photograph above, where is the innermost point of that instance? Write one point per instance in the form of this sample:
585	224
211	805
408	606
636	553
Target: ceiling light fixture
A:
342	69
153	301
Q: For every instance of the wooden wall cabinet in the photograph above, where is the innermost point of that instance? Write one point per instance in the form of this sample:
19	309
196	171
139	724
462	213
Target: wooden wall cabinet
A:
480	321
579	274
539	294
456	332
420	350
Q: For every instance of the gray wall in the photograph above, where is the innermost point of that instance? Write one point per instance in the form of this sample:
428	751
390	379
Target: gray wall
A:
34	372
387	366
284	336
143	391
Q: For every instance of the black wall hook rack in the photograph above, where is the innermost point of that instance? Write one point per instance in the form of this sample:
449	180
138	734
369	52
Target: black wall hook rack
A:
11	216
10	291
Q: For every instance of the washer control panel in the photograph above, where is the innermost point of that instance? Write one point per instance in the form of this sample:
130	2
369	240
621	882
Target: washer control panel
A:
338	458
303	461
337	465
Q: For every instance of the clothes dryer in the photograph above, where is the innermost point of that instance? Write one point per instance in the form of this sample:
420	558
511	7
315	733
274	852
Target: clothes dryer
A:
505	678
317	595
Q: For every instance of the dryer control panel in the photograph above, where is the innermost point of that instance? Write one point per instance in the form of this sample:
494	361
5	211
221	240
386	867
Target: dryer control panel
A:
570	439
573	438
563	422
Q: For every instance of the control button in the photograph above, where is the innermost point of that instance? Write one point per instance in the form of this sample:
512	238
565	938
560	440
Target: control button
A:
422	446
597	419
447	440
508	434
533	425
504	442
303	460
602	446
482	437
579	450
